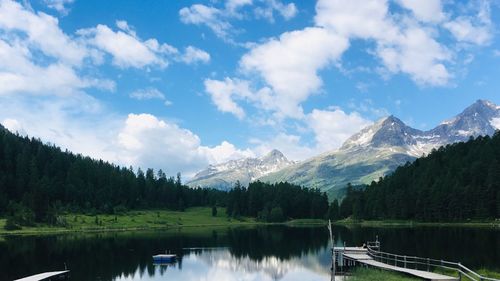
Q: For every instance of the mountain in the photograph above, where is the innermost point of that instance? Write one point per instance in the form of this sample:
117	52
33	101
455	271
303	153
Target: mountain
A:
456	183
380	148
224	176
366	156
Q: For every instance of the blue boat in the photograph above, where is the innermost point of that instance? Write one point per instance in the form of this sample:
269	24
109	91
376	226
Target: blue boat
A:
164	258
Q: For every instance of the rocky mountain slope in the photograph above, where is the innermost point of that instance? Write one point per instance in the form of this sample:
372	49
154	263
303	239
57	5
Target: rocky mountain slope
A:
372	153
225	175
381	147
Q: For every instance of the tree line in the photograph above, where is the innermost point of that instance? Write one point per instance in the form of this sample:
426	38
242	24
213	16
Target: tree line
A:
40	181
276	202
457	182
37	181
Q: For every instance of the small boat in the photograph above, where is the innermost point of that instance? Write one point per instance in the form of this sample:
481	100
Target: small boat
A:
164	258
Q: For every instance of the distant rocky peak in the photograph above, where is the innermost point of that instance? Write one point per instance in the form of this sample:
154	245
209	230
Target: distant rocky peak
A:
273	155
477	119
388	131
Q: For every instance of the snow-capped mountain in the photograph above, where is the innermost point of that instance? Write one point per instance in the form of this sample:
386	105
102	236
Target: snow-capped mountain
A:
385	145
372	153
245	170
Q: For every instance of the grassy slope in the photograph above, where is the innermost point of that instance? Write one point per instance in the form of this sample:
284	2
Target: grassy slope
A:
363	274
150	219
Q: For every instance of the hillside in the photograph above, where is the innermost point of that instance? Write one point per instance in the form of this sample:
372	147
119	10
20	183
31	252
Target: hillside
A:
454	183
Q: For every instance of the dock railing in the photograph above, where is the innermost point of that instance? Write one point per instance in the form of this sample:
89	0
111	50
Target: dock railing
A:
419	263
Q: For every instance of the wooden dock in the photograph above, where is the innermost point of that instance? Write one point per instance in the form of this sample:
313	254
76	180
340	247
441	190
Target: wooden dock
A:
45	276
361	256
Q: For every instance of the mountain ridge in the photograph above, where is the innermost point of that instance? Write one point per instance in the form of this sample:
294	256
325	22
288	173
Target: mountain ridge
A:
383	146
224	175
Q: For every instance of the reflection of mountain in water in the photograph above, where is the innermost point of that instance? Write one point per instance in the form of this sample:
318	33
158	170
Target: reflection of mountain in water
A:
108	256
272	266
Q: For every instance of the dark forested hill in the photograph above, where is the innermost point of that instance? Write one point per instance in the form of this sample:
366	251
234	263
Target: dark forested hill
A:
454	183
37	180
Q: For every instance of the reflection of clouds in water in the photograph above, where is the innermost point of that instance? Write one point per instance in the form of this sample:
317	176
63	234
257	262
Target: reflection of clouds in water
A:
222	266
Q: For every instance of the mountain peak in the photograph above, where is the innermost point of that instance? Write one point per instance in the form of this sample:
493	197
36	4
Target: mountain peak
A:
274	153
485	103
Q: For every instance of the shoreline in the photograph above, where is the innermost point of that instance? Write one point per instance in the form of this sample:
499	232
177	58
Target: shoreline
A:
200	217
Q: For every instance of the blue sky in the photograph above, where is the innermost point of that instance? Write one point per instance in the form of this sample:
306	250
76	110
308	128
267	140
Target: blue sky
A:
179	85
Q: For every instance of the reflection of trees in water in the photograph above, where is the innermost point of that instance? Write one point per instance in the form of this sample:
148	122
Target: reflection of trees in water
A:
106	256
277	241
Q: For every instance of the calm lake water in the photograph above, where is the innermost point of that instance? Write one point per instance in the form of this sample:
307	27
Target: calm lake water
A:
256	253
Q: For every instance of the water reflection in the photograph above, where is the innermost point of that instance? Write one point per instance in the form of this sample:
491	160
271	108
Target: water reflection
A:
253	253
220	264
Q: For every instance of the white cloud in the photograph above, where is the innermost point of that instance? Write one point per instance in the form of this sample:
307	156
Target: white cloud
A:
219	19
147	94
194	55
287	11
127	49
402	44
425	10
199	14
332	127
224	152
59	5
147	141
13	125
42	32
419	55
290	64
464	30
223	94
233	5
150	94
18	74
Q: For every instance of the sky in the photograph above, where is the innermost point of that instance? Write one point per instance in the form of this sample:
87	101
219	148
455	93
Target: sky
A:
179	85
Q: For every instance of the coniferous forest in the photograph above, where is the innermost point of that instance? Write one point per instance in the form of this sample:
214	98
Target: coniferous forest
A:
457	182
39	181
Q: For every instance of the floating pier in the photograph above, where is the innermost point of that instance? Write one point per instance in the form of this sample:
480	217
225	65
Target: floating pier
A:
370	255
46	276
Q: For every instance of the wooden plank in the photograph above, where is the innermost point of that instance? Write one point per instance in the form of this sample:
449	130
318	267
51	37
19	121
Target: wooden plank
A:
365	259
43	276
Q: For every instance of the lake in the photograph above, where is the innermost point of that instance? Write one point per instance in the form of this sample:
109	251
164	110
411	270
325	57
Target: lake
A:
241	253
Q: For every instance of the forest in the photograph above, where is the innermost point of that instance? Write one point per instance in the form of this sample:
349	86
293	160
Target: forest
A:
457	182
39	181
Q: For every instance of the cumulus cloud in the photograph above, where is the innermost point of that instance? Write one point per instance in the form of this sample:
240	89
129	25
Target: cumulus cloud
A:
58	57
223	94
287	11
332	127
194	55
402	47
42	32
425	10
219	19
211	17
290	65
147	141
126	48
464	30
59	5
